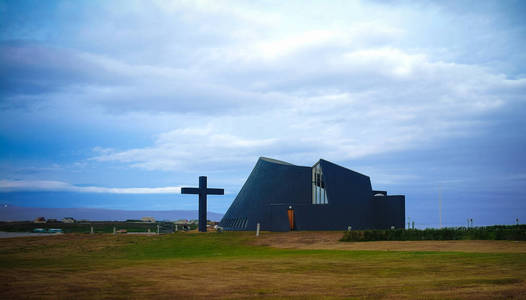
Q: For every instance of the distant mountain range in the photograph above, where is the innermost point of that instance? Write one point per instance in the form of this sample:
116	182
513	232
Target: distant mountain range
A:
18	213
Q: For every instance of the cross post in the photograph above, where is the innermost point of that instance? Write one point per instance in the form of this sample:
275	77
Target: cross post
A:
202	191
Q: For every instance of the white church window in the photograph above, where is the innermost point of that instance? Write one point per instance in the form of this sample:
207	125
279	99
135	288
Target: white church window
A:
319	194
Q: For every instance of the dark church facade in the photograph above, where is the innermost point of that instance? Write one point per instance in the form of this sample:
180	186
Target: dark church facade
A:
282	197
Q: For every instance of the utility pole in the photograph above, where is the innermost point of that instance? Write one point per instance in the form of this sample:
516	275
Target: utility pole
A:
440	205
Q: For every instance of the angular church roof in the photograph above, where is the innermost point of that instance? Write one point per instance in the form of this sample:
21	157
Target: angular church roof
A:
276	161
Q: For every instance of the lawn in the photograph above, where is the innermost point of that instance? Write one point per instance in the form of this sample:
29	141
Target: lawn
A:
238	265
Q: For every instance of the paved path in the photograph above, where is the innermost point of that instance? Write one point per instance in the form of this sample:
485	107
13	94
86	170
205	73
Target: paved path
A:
4	234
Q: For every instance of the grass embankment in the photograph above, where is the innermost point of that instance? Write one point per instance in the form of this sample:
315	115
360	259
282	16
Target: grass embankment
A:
498	232
229	265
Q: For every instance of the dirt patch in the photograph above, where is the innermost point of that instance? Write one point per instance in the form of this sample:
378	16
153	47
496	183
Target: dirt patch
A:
327	240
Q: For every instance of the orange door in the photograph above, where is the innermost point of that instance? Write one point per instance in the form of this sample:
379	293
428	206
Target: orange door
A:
291	219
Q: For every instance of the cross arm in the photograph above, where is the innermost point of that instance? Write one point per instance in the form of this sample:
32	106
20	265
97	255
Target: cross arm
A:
215	191
189	190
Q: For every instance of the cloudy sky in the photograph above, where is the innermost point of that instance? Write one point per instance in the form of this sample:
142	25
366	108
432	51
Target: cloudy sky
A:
117	104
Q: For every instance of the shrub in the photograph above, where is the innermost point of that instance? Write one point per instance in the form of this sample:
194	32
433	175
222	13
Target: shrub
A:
497	232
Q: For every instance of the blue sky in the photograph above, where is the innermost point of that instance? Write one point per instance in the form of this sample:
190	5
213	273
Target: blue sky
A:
117	104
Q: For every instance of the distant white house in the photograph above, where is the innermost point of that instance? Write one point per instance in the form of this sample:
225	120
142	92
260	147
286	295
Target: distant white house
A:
40	220
68	220
181	222
148	219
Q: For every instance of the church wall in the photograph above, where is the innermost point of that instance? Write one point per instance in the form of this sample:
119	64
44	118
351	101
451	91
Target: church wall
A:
269	183
389	211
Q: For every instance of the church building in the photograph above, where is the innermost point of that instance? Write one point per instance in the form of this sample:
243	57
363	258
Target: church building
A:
282	197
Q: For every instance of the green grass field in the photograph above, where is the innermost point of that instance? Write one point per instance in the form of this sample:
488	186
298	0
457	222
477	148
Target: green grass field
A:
231	265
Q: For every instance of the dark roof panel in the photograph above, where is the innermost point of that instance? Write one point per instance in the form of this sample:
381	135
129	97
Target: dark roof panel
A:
276	161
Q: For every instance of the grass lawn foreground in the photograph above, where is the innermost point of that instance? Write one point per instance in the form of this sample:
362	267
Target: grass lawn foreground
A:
238	265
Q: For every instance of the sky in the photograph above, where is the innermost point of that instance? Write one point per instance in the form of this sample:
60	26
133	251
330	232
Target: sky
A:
117	104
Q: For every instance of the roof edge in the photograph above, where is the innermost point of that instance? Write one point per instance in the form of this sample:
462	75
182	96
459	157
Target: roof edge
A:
275	161
326	161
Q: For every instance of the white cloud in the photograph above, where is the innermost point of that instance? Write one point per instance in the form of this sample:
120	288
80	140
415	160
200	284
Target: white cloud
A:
183	148
49	185
365	102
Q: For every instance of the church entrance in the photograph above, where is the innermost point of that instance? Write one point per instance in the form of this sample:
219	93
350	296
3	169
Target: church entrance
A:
291	218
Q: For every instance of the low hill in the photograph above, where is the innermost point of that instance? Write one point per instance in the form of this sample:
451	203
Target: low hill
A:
18	213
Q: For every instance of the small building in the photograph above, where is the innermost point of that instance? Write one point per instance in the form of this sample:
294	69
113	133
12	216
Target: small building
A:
148	219
68	220
181	222
40	220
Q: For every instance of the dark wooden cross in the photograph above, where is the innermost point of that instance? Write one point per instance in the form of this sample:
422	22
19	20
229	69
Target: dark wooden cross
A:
202	191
